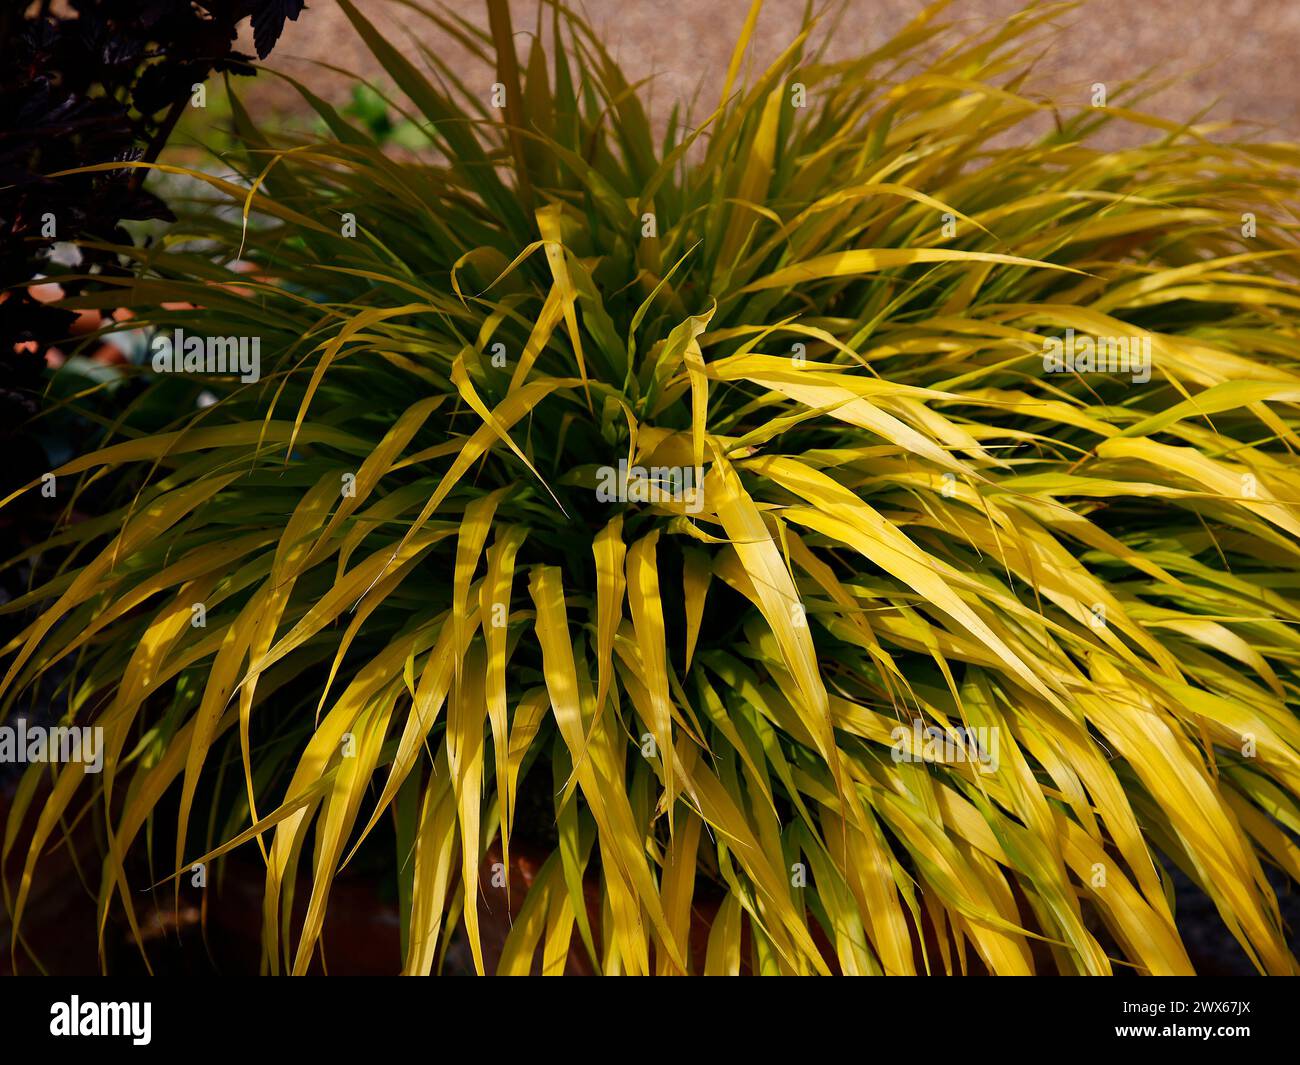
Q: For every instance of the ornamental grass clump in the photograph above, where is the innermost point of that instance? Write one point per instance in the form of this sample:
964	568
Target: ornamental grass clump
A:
851	530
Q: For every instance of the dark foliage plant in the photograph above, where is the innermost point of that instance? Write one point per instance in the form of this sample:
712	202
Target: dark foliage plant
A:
91	82
82	83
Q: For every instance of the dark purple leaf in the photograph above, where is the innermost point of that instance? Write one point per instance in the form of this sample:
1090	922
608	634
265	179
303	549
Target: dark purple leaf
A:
268	22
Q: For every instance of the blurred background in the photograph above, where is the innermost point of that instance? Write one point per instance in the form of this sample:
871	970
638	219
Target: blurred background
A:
1235	58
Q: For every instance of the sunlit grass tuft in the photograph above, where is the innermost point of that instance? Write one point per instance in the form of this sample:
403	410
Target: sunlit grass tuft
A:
417	606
